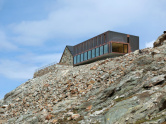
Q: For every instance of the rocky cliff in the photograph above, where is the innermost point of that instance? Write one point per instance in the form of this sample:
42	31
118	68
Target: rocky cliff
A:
130	89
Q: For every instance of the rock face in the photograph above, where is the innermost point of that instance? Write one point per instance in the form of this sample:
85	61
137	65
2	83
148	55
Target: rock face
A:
130	89
160	41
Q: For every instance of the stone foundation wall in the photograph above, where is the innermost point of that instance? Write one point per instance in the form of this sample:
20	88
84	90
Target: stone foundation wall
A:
67	57
66	61
48	69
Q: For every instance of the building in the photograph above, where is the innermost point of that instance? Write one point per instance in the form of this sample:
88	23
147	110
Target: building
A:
106	45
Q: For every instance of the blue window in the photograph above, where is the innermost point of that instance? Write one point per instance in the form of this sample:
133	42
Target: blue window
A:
105	48
85	56
89	54
82	57
78	58
97	51
101	50
75	60
93	53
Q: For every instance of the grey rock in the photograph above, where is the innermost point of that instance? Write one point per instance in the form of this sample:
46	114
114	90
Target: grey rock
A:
32	120
155	81
105	76
160	41
137	52
2	111
126	89
119	110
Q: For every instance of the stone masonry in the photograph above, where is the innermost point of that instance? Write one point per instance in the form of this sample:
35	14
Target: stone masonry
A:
67	57
48	69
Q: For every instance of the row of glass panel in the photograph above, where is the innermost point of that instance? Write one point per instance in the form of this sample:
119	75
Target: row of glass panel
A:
91	54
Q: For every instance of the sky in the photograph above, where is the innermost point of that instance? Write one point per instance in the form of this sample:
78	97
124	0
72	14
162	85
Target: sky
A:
34	33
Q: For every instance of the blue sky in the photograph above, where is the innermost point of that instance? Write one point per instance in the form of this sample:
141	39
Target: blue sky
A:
34	33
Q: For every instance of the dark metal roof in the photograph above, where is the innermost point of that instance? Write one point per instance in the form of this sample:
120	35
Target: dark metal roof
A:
70	49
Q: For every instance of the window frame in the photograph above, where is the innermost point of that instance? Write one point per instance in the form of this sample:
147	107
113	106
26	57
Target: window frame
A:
97	50
75	59
82	57
85	56
93	50
106	46
101	50
89	54
78	58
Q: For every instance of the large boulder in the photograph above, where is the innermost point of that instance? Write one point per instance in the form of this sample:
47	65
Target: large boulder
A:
160	40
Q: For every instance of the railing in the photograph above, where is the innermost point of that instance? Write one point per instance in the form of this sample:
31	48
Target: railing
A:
43	67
